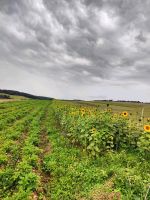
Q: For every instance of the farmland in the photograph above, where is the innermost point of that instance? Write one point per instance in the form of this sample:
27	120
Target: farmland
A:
74	150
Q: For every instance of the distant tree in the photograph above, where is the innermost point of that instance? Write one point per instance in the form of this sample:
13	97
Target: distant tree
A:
3	96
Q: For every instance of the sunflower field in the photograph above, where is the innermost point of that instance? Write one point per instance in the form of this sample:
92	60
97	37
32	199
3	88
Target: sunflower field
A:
99	131
63	150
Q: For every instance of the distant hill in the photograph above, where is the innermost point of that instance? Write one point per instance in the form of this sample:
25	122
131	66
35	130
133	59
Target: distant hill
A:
11	94
122	101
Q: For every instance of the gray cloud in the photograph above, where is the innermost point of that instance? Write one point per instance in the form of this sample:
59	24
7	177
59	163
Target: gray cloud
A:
76	49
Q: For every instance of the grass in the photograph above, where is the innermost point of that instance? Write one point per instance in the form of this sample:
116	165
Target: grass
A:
123	106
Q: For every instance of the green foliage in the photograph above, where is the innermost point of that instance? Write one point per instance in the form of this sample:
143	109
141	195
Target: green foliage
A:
75	175
98	131
144	144
20	153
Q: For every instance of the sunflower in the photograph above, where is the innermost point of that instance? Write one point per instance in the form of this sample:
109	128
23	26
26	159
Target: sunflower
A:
109	110
124	114
82	110
115	115
93	130
147	128
89	113
72	113
148	119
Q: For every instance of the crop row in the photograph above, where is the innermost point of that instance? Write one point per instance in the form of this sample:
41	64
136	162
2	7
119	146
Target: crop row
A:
11	135
9	109
14	104
7	119
20	156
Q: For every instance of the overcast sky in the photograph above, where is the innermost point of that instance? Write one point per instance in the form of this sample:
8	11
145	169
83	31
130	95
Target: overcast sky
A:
76	49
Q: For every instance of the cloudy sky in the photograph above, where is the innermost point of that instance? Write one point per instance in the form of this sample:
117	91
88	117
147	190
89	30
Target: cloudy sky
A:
76	49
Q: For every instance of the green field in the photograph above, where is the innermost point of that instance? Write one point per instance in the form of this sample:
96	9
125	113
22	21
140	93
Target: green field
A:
134	108
11	98
74	150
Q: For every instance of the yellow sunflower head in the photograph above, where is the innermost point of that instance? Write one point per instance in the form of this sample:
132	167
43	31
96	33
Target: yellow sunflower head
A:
148	119
109	110
147	128
82	110
82	114
125	114
93	130
115	115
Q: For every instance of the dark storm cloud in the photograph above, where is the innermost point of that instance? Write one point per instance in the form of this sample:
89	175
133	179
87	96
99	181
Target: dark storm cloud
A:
76	49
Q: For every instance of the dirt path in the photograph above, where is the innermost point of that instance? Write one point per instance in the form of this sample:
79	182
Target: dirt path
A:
8	100
45	147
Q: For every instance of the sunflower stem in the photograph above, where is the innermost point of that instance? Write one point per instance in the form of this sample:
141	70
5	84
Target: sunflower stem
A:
142	114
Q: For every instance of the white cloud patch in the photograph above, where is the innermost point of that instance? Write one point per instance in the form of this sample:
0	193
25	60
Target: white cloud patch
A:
107	19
